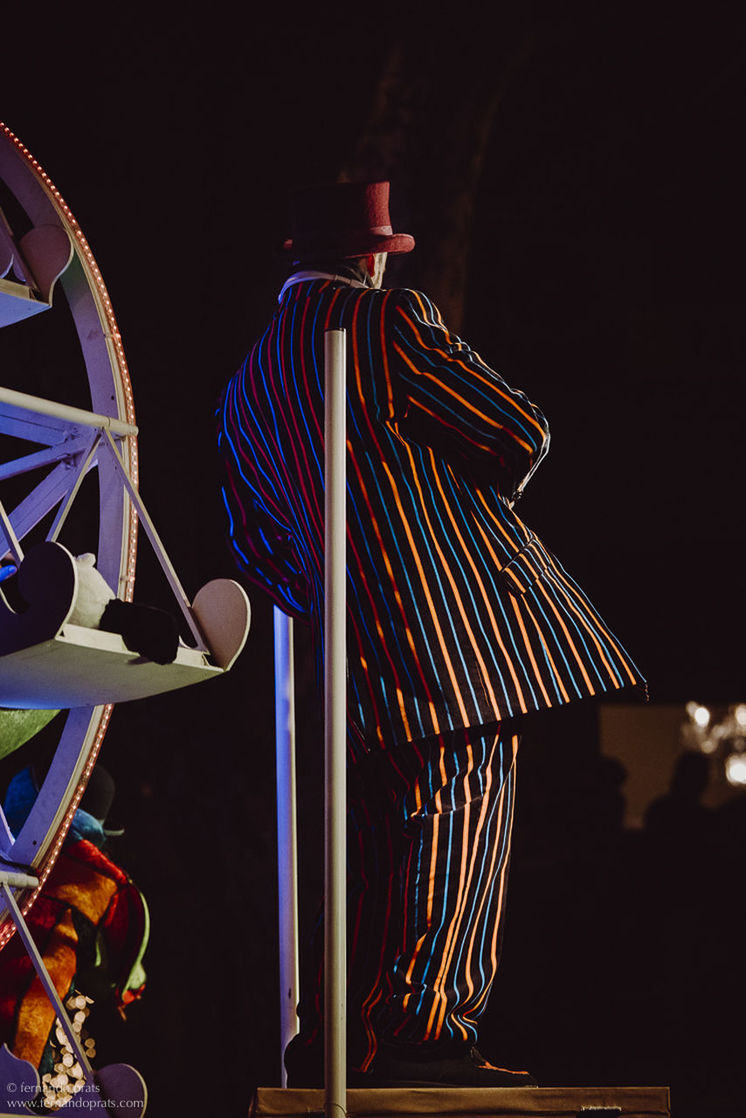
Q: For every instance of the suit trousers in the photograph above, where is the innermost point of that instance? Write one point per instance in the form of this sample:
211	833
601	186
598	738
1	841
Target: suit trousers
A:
428	833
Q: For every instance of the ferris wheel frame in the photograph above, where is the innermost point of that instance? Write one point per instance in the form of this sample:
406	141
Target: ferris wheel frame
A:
102	358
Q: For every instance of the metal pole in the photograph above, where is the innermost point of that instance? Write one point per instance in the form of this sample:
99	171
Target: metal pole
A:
335	712
287	843
67	414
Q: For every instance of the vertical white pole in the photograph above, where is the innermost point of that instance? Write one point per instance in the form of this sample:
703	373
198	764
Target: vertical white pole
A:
335	703
287	844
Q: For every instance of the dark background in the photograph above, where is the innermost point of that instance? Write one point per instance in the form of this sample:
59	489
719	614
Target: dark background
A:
573	178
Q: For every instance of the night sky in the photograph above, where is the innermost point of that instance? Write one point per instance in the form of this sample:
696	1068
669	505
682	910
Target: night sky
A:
603	254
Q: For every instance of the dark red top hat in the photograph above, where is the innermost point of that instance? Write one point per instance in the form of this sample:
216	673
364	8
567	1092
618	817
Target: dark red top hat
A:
343	219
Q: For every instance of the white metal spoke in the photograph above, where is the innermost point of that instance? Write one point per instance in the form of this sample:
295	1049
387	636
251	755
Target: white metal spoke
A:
160	551
40	501
10	537
84	465
59	453
62	413
20	424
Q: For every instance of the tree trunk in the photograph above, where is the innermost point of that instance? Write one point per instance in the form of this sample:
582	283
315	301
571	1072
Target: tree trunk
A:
428	131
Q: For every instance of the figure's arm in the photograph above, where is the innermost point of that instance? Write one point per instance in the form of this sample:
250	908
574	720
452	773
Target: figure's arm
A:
443	389
261	545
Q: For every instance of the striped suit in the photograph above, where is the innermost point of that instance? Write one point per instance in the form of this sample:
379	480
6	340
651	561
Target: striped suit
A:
458	617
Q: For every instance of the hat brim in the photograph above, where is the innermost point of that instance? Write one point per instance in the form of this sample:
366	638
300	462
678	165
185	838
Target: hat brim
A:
347	248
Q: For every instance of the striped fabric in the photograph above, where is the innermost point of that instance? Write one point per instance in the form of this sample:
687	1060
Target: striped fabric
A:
428	836
457	614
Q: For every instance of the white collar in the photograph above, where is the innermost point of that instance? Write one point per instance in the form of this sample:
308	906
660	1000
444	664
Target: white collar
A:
312	274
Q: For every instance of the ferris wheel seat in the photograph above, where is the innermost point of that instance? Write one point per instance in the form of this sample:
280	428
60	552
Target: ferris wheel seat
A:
48	662
45	253
81	667
18	301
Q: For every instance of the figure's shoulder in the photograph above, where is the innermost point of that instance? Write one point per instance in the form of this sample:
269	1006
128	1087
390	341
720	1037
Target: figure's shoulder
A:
407	305
387	309
360	307
403	296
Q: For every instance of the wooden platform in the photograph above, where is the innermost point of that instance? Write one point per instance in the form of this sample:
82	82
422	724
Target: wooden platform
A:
521	1102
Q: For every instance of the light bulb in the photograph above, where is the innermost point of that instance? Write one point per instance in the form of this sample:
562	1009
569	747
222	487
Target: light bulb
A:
735	769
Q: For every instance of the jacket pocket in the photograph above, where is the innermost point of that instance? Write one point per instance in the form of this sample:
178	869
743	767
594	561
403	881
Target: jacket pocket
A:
528	565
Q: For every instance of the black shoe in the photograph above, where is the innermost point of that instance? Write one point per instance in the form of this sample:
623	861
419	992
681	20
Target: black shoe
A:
304	1064
469	1069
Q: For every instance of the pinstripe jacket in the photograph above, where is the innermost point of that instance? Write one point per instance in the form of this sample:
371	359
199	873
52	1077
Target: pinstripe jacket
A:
457	613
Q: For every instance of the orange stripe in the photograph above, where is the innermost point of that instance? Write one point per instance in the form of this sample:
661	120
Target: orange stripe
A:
397	597
456	925
387	562
399	506
519	619
383	338
572	607
462	895
467	555
503	881
470	407
451	426
433	612
563	586
529	650
470	369
402	516
540	635
540	587
430	890
497	522
500	527
433	863
570	593
475	920
336	294
447	571
370	1034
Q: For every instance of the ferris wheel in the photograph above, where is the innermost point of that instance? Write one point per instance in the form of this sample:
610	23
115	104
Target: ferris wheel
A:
68	482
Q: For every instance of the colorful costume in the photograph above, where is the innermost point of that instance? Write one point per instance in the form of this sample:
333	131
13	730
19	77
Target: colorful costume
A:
458	620
89	917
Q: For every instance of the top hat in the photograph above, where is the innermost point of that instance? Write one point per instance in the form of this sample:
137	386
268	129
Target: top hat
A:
344	219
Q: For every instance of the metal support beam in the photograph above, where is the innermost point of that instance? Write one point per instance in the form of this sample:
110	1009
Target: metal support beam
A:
160	552
335	724
38	406
287	840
